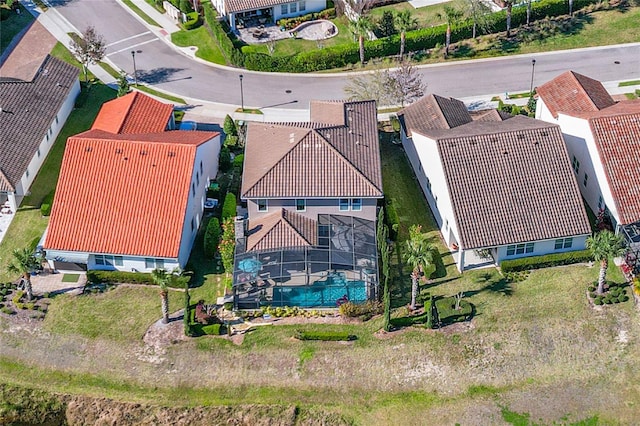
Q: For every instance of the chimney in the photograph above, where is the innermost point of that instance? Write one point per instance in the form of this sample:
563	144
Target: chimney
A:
238	223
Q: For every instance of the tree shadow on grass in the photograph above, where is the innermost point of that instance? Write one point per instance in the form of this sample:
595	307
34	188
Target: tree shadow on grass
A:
492	284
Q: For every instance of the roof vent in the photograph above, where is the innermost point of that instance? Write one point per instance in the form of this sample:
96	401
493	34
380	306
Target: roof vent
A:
291	137
520	136
143	152
88	149
505	152
171	154
118	150
613	122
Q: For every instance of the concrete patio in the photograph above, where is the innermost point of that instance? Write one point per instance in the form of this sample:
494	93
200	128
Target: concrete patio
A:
47	282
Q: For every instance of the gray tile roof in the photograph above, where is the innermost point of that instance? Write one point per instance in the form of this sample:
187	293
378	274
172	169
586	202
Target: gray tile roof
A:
434	112
510	182
323	160
28	109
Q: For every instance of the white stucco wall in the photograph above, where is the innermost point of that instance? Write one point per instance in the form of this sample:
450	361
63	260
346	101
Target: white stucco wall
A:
425	160
47	141
543	113
207	154
129	263
540	248
219	6
310	6
314	207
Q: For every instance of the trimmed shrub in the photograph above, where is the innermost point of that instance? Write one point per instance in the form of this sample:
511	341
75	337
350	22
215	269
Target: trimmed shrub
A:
114	277
212	237
47	204
423	318
223	35
545	261
212	329
185	6
224	162
7	310
366	309
193	21
229	206
231	141
326	336
393	221
229	126
447	313
238	161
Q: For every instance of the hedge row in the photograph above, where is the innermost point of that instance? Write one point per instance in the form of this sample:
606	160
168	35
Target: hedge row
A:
47	204
291	23
114	277
193	21
345	54
326	336
545	261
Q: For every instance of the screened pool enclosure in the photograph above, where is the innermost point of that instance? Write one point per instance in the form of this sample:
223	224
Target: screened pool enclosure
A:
340	266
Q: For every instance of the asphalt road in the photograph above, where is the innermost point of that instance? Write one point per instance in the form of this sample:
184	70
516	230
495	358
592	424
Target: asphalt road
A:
160	65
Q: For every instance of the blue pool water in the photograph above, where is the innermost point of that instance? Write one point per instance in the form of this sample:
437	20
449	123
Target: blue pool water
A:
321	294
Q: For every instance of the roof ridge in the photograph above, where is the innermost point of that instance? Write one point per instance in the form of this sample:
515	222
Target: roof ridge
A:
586	92
285	214
440	112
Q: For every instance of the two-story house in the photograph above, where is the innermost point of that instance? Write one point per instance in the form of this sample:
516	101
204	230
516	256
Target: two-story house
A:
131	191
500	187
311	191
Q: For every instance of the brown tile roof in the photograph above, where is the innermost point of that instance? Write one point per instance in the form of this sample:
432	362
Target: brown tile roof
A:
510	182
434	112
617	138
493	115
27	110
282	228
319	161
124	195
133	113
571	92
232	6
26	57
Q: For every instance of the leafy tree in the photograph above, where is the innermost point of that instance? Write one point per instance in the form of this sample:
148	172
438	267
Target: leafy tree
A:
185	6
419	255
605	245
227	245
406	82
212	237
225	159
229	126
90	49
386	25
382	235
360	28
451	15
24	262
405	21
478	12
374	85
229	206
187	312
161	278
123	85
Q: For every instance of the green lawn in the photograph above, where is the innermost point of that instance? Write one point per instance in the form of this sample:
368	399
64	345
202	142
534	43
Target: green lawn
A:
140	13
12	26
28	224
207	47
426	16
70	278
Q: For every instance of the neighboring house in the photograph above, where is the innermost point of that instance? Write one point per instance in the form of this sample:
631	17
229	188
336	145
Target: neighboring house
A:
500	187
131	191
35	100
311	191
603	144
241	13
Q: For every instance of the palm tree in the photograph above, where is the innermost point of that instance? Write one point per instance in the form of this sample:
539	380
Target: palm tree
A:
605	245
405	22
419	255
360	28
24	262
509	4
451	15
161	278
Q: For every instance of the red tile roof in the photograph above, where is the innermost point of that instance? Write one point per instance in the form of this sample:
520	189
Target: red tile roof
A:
133	113
571	92
282	228
617	138
315	161
124	194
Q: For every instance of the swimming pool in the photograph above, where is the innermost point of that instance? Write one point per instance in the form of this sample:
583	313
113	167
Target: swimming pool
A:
321	294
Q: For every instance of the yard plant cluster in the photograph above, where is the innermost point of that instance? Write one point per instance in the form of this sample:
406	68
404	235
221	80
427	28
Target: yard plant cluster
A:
238	54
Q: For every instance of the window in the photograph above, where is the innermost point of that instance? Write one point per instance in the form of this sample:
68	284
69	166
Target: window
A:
302	6
301	205
344	204
600	203
193	224
356	204
27	172
293	7
586	178
262	205
284	9
563	243
160	263
575	164
193	189
446	223
149	263
118	260
429	185
99	259
38	152
201	168
520	249
56	119
197	179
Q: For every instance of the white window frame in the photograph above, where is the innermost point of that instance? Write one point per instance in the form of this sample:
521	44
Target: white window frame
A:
262	205
563	243
302	6
293	8
356	204
284	9
518	249
343	204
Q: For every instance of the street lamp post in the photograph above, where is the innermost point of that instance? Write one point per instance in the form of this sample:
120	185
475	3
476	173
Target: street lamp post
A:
241	93
135	72
533	69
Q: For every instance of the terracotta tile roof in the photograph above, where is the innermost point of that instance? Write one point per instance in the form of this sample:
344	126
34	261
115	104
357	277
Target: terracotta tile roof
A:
28	109
510	182
571	92
617	138
241	5
282	228
124	194
133	113
434	112
296	161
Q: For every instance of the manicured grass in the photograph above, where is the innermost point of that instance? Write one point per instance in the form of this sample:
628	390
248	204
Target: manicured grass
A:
70	278
121	314
140	13
158	93
61	52
629	83
12	26
109	69
200	37
427	16
206	283
28	224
